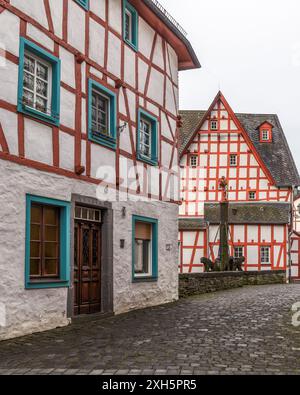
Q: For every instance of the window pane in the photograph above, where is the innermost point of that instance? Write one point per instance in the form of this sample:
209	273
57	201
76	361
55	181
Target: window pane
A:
50	215
142	255
50	250
51	267
35	267
41	104
28	98
42	88
35	249
35	232
28	81
51	233
36	214
42	71
29	64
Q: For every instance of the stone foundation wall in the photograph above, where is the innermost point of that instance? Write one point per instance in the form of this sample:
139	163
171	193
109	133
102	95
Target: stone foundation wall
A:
201	283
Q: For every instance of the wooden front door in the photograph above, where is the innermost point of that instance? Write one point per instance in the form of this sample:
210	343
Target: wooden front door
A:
87	268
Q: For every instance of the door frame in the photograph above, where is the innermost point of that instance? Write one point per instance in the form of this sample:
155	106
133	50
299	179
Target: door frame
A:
106	252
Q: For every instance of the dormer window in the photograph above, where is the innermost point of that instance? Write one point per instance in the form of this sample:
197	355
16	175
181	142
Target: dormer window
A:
265	131
265	135
214	125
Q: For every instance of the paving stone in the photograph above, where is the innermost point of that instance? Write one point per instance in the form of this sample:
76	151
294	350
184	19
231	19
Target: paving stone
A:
243	331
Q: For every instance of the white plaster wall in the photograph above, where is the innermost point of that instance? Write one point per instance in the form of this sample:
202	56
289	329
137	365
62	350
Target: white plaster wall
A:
9	32
9	123
33	8
98	8
56	7
67	108
9	82
96	47
66	151
128	295
30	311
38	142
40	37
67	67
114	55
115	15
76	17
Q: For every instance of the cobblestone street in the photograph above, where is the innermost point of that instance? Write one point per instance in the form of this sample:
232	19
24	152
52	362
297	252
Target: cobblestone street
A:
243	331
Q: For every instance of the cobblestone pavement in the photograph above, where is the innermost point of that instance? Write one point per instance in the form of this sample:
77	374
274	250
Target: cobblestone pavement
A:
243	331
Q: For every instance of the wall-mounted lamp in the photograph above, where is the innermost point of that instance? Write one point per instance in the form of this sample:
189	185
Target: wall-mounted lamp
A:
122	128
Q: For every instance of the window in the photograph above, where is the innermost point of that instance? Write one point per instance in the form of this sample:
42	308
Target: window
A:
102	115
214	125
252	195
147	150
145	248
265	255
233	160
238	252
47	263
83	3
39	83
130	25
194	161
265	135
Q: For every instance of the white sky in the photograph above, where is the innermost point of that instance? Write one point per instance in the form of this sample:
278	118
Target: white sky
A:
248	49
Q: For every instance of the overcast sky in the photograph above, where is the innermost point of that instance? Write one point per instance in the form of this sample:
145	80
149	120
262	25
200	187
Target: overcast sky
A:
248	49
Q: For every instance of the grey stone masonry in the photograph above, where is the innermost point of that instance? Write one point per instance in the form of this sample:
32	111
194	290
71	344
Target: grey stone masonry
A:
201	283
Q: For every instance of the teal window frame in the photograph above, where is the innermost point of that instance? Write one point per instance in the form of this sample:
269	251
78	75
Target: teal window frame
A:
102	139
65	219
28	46
153	161
134	43
84	3
154	223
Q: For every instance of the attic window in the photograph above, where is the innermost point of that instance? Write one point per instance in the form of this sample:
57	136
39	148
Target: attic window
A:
265	135
194	161
213	125
233	160
265	131
252	195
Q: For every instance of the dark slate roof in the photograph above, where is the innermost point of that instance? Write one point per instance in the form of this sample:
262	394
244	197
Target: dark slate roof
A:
192	223
250	213
276	156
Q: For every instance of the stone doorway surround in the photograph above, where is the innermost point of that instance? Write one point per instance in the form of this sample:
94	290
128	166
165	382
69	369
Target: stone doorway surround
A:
106	252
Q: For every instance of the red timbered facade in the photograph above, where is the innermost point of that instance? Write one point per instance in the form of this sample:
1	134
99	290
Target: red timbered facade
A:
251	152
88	127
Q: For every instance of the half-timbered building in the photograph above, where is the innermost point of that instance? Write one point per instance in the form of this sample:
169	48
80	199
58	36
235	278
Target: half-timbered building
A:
252	153
88	156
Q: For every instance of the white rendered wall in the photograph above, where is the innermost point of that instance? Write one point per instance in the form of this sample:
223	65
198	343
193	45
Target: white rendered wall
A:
30	311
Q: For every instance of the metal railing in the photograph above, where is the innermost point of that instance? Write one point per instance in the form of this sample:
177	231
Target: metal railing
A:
169	17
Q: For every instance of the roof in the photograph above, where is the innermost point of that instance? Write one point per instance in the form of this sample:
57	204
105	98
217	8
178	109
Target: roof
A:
192	224
250	213
276	156
174	35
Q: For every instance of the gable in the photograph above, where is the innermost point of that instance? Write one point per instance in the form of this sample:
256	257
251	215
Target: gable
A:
275	157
